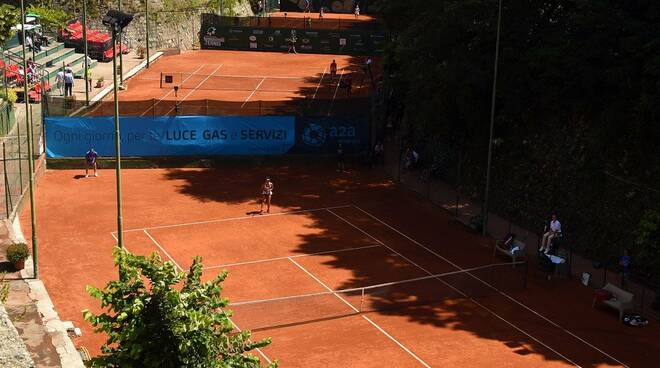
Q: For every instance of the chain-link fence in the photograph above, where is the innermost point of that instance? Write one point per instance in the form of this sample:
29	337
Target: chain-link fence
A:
438	180
14	168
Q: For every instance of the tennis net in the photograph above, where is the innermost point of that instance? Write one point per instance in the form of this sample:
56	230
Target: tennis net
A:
409	296
240	82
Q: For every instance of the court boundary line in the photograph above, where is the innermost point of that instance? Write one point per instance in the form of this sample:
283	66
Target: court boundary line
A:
163	249
235	218
294	256
318	86
516	301
253	92
182	270
334	96
168	92
176	103
363	316
459	291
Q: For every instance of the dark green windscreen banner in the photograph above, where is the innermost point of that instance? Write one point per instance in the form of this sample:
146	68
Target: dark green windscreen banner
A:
216	34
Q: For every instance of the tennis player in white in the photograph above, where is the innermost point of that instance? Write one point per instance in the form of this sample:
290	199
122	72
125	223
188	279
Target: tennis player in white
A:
266	194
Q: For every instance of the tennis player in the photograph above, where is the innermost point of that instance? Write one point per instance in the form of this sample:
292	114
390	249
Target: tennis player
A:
333	69
90	160
266	194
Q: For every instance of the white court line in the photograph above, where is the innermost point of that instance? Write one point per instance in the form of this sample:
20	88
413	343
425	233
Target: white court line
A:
195	89
236	218
163	249
363	316
497	290
170	91
181	269
296	256
318	85
332	104
253	92
457	290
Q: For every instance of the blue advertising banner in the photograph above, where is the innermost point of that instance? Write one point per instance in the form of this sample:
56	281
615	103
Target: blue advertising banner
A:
324	134
171	135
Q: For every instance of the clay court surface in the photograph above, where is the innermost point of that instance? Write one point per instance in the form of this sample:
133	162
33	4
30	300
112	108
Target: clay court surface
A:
326	231
244	83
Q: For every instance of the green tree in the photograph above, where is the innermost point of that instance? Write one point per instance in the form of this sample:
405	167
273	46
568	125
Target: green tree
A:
50	18
9	17
647	244
150	323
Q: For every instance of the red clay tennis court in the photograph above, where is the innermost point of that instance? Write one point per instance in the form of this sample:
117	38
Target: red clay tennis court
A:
245	83
328	239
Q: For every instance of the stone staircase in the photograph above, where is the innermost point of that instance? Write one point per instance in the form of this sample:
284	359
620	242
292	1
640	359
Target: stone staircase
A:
55	57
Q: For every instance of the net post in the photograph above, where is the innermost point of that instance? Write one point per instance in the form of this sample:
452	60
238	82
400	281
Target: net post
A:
161	79
362	300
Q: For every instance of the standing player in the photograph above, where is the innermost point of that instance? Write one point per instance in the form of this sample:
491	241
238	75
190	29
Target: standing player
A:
292	42
333	69
357	11
90	160
340	158
266	194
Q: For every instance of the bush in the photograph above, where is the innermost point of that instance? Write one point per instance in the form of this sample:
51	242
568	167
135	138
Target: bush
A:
10	96
17	252
189	317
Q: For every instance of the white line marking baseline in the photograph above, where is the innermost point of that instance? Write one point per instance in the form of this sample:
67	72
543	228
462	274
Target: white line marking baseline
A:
235	218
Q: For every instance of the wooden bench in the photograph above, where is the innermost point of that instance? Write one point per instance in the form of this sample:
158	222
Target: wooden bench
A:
621	300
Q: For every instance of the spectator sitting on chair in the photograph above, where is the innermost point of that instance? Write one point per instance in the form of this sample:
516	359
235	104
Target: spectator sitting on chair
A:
508	241
553	232
90	161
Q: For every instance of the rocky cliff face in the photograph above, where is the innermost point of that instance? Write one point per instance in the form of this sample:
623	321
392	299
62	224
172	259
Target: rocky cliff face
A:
167	28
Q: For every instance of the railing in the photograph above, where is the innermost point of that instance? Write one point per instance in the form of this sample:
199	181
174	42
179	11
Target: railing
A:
307	21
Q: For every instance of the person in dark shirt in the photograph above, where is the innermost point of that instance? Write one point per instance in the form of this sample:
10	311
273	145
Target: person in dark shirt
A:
340	158
90	161
626	264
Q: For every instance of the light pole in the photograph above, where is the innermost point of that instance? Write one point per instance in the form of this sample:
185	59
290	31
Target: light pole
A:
121	57
117	21
146	19
484	209
86	79
26	99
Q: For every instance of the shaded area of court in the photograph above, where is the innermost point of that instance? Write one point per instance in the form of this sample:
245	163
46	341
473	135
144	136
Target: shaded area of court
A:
329	232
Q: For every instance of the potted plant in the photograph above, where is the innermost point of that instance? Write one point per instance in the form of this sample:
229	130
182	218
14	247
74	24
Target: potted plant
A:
17	253
99	82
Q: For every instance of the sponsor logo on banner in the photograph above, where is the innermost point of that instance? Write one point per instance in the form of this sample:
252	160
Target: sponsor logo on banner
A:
253	45
214	41
211	31
253	38
313	135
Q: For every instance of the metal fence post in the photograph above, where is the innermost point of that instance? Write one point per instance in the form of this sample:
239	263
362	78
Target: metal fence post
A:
7	191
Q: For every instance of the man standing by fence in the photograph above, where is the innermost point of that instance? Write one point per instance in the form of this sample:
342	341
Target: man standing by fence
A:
68	83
